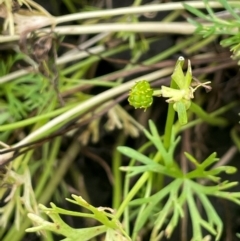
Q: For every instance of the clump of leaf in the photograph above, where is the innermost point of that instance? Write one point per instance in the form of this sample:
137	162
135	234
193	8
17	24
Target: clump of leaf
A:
110	225
215	24
184	189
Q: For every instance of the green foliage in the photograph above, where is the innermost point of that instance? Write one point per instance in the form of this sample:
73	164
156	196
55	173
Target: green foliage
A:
184	189
145	203
25	94
110	225
21	183
22	95
214	24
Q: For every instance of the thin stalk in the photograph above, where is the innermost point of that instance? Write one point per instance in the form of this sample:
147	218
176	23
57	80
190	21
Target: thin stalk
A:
132	193
169	121
142	27
126	220
138	10
137	2
126	10
200	44
80	54
173	50
70	6
22	161
216	113
218	121
138	185
146	195
48	167
168	126
172	16
35	119
116	164
93	82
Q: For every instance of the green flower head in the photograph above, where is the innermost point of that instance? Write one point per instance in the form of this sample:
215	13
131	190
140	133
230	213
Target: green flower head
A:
141	95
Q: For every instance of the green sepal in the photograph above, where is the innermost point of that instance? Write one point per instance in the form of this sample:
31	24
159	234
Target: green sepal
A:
178	75
188	76
182	112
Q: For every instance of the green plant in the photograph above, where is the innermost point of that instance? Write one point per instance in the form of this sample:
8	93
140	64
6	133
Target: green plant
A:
180	94
110	225
31	114
216	24
184	189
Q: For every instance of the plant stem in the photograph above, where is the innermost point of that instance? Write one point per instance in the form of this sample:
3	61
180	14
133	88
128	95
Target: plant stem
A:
117	161
29	121
120	11
169	121
126	220
168	126
142	27
135	189
216	113
137	10
146	195
132	193
200	44
172	50
206	117
48	167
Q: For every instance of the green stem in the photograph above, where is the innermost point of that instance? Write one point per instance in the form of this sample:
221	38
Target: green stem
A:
65	163
169	121
138	185
117	162
219	111
217	121
200	44
126	189
70	6
168	126
147	194
235	137
35	119
132	193
48	167
137	10
172	50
